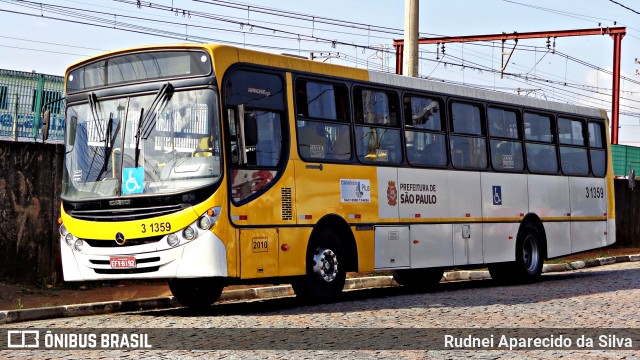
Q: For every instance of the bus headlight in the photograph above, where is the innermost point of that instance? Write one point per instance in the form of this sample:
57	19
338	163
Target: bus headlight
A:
173	240
63	230
69	238
189	233
77	246
204	222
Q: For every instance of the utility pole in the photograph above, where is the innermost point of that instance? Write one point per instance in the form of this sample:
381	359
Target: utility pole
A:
411	34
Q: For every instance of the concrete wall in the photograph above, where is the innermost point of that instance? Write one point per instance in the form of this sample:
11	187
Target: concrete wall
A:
627	214
30	176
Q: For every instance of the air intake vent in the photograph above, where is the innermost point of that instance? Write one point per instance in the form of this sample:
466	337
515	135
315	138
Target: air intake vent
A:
286	204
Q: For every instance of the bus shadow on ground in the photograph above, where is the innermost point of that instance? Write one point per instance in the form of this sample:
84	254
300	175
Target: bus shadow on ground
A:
452	294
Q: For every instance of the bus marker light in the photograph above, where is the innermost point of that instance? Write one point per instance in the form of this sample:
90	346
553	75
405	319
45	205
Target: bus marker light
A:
173	240
468	215
510	237
285	247
568	214
605	233
521	214
243	217
189	233
69	239
211	212
417	215
416	242
63	230
60	221
77	246
305	217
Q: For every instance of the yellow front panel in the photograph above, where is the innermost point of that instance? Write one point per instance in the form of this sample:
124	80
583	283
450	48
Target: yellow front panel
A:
258	253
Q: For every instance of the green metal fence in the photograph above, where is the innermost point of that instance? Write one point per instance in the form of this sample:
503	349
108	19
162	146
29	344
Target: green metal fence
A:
625	158
22	96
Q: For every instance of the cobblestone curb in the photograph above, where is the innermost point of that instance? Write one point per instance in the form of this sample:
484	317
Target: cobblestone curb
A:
15	316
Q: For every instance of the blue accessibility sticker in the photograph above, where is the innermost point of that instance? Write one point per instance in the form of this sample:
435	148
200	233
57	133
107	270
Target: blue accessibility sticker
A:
497	195
132	180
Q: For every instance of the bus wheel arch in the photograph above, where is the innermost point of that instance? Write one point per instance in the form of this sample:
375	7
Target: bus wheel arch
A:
530	253
330	255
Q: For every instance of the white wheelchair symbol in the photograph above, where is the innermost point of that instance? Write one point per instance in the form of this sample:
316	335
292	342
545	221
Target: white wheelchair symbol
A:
131	185
497	199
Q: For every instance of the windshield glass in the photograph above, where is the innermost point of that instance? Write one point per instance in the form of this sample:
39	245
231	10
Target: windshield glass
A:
161	143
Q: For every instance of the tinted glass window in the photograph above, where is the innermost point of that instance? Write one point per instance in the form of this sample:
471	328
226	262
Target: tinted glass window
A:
426	149
503	123
375	144
318	141
538	128
321	100
423	113
466	119
253	89
542	158
571	132
598	162
468	152
574	161
506	155
596	135
376	107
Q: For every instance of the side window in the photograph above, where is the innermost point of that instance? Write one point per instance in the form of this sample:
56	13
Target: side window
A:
377	130
322	121
573	151
540	143
506	147
597	149
468	145
424	131
256	127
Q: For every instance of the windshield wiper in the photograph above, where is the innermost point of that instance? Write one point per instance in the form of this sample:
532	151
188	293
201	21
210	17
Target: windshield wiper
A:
147	122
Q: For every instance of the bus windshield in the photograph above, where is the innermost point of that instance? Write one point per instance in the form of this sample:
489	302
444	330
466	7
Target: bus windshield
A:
161	143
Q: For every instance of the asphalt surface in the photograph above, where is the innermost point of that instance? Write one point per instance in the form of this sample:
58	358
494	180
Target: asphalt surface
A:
15	316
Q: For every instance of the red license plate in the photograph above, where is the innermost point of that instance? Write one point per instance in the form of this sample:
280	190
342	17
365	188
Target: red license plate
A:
123	262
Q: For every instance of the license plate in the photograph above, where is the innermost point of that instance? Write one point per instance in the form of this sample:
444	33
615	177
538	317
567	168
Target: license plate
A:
123	262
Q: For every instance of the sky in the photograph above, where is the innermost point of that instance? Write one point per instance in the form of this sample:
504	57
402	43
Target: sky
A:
47	36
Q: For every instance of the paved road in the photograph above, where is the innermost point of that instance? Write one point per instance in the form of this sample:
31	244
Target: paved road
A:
602	297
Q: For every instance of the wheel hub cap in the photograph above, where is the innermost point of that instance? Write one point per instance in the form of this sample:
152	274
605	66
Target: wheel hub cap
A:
326	264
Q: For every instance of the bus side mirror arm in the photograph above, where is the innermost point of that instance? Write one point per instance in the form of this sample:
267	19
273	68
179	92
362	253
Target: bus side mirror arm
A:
632	179
242	145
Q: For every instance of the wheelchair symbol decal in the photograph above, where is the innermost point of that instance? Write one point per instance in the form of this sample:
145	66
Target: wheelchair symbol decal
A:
133	180
497	195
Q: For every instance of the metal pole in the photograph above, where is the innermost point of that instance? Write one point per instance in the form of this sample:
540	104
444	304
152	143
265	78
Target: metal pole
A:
411	35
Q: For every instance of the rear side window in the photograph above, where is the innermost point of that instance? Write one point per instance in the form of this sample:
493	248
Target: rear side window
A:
377	130
467	142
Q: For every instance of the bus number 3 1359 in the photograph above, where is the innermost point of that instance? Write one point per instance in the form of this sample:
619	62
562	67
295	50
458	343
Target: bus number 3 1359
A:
595	192
156	227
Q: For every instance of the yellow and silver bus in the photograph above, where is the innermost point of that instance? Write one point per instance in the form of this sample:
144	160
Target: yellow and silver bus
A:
210	165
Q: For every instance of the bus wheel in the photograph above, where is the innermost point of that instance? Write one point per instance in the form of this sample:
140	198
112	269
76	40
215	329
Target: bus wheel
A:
197	293
325	270
529	259
418	279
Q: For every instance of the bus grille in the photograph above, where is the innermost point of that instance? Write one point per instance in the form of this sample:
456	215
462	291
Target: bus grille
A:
129	242
101	215
286	204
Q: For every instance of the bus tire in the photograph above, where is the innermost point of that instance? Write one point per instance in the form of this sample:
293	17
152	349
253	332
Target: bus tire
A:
326	273
418	279
196	293
529	259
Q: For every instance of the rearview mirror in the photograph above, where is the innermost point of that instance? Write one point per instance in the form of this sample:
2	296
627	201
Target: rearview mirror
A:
632	179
